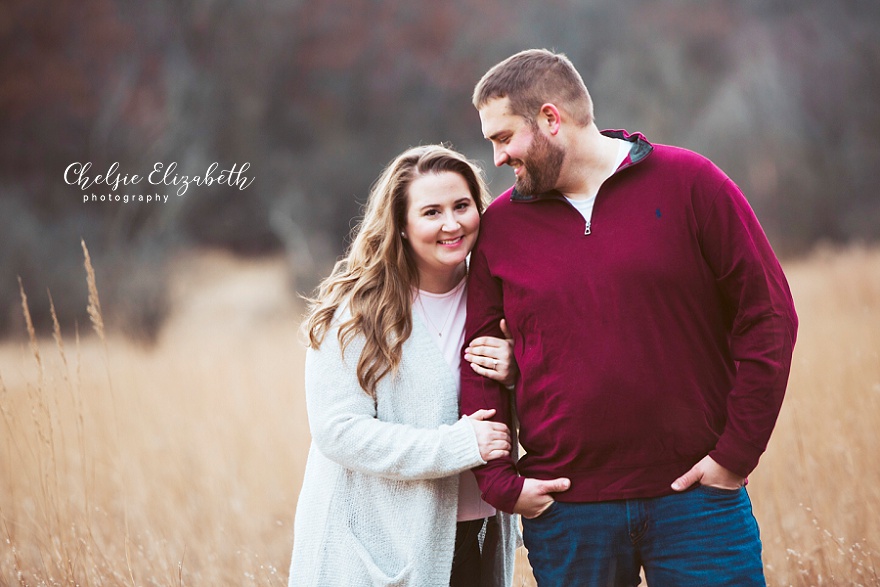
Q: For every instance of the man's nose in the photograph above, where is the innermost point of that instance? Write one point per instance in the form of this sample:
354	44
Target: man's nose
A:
500	156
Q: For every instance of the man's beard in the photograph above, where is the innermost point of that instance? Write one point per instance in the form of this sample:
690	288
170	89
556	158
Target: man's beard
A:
541	165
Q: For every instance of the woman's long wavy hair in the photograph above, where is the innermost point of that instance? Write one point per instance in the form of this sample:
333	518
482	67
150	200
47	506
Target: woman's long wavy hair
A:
376	278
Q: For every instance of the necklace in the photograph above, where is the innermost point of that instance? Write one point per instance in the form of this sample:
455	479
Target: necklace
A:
449	312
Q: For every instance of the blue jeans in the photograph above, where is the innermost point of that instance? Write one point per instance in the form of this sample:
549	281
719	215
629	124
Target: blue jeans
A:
703	536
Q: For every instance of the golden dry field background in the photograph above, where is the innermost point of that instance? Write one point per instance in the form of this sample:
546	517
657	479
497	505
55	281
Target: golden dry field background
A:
180	464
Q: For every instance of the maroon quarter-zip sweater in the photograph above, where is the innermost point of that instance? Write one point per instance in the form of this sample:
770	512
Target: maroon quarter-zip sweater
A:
663	336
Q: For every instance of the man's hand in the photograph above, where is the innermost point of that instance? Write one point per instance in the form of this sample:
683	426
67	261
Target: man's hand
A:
708	472
535	499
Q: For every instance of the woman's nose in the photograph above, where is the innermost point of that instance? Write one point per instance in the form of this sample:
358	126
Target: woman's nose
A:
450	223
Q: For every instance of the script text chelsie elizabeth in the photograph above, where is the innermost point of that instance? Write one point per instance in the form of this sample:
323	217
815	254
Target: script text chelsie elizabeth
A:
161	174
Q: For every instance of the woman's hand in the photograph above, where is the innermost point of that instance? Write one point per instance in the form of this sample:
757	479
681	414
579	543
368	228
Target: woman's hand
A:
493	438
493	357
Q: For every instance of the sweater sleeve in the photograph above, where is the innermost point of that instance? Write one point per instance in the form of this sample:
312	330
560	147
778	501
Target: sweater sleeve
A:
499	480
764	325
345	428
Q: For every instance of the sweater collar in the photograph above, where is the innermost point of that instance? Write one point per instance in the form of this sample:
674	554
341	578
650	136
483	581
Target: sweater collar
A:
640	150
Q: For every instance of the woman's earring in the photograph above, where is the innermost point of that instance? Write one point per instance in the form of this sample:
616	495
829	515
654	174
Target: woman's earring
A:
403	234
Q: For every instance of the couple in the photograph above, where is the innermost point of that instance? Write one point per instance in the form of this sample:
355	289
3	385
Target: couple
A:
652	329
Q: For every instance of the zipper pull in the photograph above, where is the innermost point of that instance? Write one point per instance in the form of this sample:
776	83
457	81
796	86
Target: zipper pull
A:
587	229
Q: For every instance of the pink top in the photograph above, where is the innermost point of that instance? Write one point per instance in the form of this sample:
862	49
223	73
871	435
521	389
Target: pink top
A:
444	315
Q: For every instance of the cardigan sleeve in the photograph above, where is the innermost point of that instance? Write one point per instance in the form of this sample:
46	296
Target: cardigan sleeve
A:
345	427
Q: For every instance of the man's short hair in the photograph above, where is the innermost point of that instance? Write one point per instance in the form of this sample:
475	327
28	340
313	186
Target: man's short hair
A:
532	78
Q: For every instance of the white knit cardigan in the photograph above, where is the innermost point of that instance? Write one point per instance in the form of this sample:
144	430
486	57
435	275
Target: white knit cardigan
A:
380	494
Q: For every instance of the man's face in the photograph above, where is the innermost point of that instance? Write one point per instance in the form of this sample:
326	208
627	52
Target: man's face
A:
520	143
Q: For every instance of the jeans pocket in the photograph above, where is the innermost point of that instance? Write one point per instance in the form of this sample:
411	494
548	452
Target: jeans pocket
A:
720	491
548	512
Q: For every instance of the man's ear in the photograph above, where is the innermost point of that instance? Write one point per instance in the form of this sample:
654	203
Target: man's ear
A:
550	117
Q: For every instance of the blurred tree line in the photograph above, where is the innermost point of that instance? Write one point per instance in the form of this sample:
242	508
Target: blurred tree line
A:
318	95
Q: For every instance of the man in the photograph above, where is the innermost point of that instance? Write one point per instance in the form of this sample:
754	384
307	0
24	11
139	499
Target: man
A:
653	328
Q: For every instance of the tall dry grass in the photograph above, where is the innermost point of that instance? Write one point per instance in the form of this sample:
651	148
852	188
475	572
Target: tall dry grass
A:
180	465
816	492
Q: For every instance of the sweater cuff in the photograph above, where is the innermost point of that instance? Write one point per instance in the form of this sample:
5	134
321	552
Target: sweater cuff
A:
463	443
500	484
736	456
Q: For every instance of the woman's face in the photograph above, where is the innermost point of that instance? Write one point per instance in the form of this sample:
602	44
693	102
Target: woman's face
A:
442	223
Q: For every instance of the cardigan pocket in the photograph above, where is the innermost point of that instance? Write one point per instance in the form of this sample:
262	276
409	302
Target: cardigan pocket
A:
380	576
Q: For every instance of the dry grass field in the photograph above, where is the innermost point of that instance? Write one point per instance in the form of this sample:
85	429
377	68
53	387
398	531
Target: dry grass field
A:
180	464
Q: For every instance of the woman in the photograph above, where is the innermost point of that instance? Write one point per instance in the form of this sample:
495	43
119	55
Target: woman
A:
382	494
